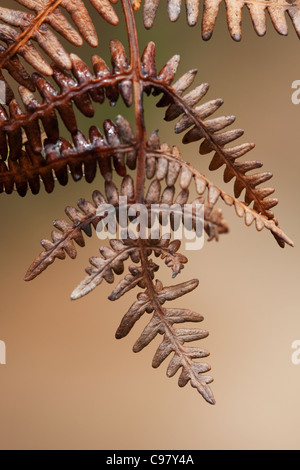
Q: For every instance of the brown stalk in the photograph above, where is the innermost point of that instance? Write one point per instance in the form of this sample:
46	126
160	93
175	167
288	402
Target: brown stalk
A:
138	88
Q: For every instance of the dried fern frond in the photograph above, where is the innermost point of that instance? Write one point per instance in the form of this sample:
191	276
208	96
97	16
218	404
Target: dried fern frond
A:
34	27
112	260
84	87
111	263
194	121
86	217
33	152
215	138
19	165
177	166
174	339
151	300
277	10
57	159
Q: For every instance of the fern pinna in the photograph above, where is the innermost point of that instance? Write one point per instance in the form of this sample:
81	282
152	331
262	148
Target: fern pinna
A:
33	153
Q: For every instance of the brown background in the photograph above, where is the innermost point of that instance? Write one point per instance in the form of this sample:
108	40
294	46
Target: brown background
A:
68	384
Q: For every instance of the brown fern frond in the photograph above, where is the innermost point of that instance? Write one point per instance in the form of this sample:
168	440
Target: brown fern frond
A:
21	165
178	169
84	87
55	159
86	217
66	234
194	121
33	151
174	339
15	68
34	27
119	251
111	262
173	342
277	10
151	300
81	87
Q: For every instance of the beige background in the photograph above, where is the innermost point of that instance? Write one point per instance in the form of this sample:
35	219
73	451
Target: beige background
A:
68	384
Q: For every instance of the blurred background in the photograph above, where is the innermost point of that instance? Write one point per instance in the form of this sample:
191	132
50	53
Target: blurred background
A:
68	383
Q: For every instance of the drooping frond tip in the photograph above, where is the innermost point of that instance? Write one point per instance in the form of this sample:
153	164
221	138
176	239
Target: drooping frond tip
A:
174	339
111	263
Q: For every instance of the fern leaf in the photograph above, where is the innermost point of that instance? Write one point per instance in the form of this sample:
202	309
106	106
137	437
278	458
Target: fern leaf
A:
277	10
213	193
53	159
102	266
85	217
82	89
66	234
34	27
112	260
134	278
32	152
214	138
151	300
174	339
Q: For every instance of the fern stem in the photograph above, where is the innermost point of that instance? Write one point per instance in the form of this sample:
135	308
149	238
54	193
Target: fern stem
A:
138	88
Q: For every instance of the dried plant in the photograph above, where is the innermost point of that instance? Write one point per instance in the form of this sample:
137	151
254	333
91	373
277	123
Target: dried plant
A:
34	153
257	8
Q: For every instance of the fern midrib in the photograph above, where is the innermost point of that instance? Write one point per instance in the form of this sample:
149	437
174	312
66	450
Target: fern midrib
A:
138	89
68	157
68	237
46	108
179	349
111	261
